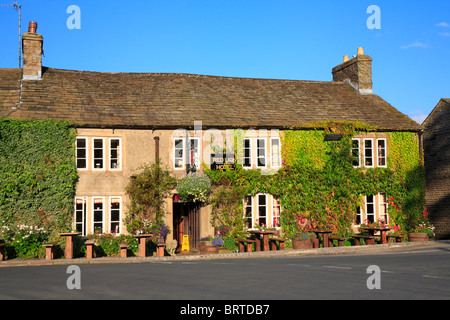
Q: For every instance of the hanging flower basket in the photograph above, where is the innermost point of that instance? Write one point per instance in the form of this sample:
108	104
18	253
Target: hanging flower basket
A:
194	187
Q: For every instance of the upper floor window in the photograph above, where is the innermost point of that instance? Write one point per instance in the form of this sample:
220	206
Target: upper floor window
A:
261	153
247	161
104	154
115	154
369	152
381	152
275	152
356	155
98	154
81	153
191	156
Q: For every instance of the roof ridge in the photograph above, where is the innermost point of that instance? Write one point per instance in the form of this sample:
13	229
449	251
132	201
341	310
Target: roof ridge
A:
193	75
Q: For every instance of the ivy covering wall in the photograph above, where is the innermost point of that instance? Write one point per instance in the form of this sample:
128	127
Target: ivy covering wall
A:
319	185
37	177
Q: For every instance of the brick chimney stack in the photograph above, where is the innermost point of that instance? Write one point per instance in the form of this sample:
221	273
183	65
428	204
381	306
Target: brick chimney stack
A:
32	53
357	72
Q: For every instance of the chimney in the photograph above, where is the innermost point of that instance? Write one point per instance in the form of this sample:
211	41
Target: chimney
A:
32	53
357	72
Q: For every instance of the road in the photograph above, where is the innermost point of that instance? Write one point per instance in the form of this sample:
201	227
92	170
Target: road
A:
421	273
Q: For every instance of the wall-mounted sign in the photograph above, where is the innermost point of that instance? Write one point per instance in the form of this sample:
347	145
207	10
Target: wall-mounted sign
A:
223	161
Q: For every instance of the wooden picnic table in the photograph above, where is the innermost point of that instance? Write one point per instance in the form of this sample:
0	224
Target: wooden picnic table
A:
69	243
265	234
325	235
382	231
141	241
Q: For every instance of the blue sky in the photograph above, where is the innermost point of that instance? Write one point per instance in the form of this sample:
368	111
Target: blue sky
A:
282	39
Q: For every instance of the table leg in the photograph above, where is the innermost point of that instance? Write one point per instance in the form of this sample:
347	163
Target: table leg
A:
383	237
69	247
142	247
325	239
257	244
266	242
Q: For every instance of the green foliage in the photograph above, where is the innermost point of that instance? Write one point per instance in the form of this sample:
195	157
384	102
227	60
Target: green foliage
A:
318	185
148	191
108	245
37	177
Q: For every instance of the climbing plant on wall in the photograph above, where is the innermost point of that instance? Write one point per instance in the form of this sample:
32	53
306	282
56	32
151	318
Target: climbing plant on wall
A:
37	176
318	183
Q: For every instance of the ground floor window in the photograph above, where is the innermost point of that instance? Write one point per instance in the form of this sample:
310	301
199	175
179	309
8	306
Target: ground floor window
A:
262	210
98	214
373	209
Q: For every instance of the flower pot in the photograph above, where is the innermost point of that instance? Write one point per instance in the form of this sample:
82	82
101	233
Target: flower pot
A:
418	237
210	249
302	244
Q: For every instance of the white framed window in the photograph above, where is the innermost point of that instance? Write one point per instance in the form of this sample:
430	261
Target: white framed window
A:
194	152
98	154
381	152
178	153
275	152
248	212
115	215
262	207
81	150
98	214
115	154
368	153
359	217
80	215
276	212
356	154
247	157
383	208
370	208
261	153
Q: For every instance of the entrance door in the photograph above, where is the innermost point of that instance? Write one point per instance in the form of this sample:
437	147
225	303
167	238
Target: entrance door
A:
186	221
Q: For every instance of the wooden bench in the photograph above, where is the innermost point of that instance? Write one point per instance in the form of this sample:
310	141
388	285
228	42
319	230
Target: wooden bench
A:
123	250
273	243
2	251
249	243
90	249
398	238
369	240
49	251
339	240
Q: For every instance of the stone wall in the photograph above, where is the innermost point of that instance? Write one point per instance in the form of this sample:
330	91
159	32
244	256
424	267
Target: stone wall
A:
437	167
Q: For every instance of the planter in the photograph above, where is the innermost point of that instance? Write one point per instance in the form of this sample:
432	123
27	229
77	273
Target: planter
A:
302	244
206	247
418	237
209	249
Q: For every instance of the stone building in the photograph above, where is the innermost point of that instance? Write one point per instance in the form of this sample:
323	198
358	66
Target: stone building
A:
437	167
124	119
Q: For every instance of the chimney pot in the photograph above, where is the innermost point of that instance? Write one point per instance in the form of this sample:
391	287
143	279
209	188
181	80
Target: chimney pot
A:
32	26
360	51
346	58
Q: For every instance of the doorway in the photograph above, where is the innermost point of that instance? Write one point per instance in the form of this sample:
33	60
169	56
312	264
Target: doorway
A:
186	221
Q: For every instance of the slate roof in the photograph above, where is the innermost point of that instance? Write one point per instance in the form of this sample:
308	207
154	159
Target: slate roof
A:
159	100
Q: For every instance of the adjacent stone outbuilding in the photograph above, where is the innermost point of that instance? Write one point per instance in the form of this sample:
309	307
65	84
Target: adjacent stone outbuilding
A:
437	167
